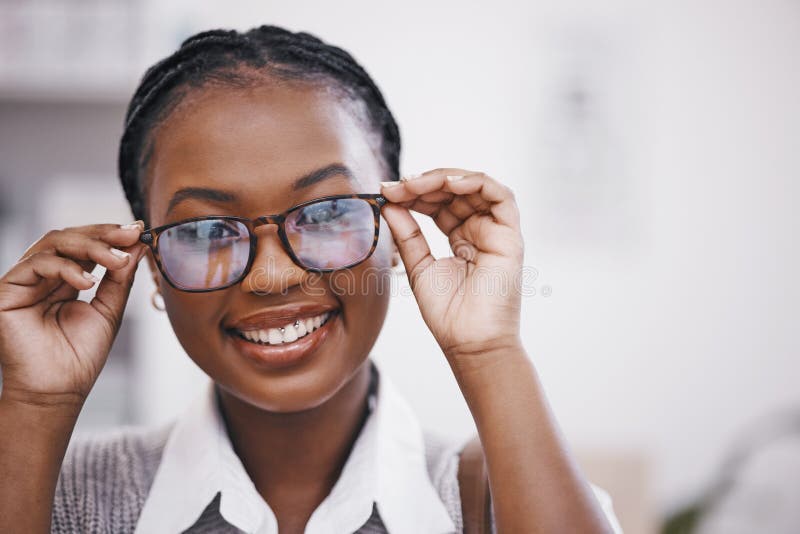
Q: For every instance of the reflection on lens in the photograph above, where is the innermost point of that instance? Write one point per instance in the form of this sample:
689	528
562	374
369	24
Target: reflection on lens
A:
331	234
204	254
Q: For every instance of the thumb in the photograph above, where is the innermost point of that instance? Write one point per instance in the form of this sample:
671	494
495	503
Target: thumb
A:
112	293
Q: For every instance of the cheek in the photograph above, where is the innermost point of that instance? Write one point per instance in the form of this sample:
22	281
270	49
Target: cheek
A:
374	282
370	280
365	292
195	320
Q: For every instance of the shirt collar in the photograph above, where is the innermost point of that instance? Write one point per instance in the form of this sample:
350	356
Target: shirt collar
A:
404	484
387	467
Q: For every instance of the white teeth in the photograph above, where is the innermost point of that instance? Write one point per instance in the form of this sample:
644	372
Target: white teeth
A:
275	336
287	333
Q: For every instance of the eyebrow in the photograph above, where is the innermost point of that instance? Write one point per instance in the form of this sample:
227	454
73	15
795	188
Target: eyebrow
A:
223	197
319	175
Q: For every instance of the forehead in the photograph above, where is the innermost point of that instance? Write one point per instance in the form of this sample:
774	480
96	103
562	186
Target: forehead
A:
257	141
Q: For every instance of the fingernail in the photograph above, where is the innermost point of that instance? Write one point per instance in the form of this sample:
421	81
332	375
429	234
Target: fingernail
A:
454	178
90	276
138	225
408	177
390	184
119	253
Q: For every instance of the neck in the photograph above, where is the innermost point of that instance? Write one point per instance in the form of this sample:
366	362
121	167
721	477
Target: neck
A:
299	454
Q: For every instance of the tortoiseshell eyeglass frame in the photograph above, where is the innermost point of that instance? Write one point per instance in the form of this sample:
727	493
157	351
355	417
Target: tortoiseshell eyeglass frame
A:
150	236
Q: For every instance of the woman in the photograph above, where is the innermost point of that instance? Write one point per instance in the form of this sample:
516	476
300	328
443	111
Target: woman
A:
262	168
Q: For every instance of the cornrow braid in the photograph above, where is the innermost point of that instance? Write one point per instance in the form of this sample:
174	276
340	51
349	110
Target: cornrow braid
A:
231	58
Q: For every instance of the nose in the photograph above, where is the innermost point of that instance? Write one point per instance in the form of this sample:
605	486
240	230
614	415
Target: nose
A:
273	270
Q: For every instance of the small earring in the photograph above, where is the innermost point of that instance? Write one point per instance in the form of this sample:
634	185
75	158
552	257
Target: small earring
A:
157	300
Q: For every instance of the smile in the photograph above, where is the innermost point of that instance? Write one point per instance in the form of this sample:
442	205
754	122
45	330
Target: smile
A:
288	333
281	338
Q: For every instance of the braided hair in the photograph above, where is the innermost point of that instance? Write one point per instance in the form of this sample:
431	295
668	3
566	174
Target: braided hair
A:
228	57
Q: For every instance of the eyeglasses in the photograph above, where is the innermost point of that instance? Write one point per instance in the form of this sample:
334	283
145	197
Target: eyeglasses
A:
214	252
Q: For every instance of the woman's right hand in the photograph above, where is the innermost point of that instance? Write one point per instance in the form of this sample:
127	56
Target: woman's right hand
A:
53	346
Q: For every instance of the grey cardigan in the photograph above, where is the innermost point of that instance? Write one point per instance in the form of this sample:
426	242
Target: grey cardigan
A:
105	479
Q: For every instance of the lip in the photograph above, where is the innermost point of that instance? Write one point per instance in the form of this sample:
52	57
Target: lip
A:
276	357
278	317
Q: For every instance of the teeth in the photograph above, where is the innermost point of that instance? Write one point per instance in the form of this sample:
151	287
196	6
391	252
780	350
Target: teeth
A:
275	336
287	333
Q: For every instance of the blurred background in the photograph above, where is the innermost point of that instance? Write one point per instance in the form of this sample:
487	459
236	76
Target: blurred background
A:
654	149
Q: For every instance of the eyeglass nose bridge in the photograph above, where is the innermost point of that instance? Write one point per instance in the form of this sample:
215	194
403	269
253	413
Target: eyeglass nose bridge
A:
265	220
269	219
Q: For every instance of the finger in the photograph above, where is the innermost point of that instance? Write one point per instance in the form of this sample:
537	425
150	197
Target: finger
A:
61	293
488	237
446	220
477	202
113	234
35	277
483	192
462	208
411	187
64	292
441	214
126	235
123	232
412	245
500	198
112	293
437	196
121	236
426	208
81	247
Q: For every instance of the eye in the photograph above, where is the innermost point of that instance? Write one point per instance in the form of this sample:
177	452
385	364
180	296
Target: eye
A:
221	230
321	213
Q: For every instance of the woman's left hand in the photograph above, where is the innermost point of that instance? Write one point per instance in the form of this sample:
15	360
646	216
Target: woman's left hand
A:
470	301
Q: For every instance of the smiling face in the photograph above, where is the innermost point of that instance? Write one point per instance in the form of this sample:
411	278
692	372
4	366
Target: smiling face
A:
253	152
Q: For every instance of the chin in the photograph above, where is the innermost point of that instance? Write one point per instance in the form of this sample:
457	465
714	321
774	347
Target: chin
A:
289	393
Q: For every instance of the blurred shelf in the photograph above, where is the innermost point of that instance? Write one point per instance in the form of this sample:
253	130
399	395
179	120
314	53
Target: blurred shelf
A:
81	51
66	92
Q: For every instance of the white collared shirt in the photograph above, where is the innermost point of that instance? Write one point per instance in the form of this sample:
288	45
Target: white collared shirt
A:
385	471
387	466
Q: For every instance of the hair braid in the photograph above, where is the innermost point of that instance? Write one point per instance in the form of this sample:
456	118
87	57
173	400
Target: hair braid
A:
223	56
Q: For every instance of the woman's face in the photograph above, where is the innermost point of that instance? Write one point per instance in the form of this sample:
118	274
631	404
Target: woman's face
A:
244	152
